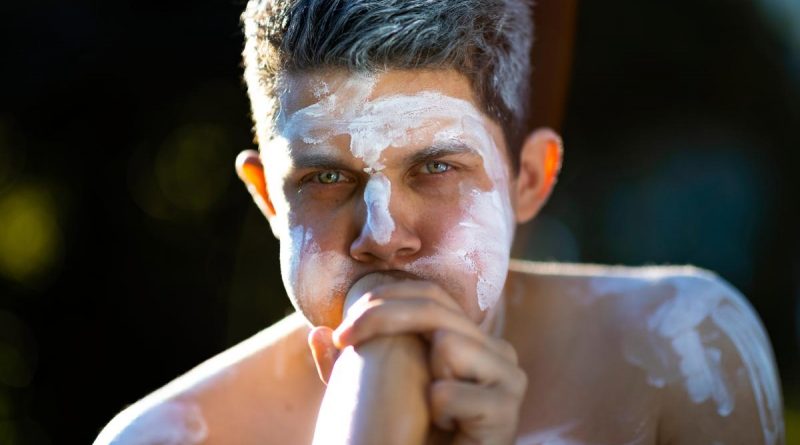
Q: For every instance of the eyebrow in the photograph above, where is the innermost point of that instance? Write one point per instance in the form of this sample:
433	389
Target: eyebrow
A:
440	150
328	161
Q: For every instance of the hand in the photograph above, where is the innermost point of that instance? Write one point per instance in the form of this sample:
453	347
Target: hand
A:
477	386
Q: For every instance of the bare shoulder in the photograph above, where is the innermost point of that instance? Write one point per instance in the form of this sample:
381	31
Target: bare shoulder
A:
253	392
692	337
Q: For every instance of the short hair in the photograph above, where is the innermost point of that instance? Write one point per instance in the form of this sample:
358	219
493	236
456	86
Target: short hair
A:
488	41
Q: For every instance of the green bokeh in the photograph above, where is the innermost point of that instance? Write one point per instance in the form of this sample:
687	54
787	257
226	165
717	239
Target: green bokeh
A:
30	238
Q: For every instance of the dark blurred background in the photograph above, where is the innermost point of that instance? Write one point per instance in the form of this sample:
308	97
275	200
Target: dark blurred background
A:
129	252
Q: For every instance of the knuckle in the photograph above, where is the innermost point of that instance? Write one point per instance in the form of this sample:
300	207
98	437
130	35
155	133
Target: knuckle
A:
374	295
441	395
439	335
363	320
428	305
508	351
442	341
510	412
447	346
519	382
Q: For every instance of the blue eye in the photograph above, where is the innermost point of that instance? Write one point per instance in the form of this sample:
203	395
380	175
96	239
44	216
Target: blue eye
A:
435	167
328	177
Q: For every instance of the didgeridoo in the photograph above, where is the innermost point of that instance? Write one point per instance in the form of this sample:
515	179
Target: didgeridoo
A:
377	392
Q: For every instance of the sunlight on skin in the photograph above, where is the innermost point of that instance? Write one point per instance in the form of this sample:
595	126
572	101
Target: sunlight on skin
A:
381	130
677	340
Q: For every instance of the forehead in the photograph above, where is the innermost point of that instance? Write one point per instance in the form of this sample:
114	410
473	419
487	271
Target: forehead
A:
301	90
383	110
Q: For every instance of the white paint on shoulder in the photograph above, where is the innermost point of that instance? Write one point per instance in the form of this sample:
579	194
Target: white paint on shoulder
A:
680	338
739	322
167	423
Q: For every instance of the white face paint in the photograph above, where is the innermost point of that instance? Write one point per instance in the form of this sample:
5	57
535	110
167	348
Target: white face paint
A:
304	266
479	245
481	242
680	337
379	221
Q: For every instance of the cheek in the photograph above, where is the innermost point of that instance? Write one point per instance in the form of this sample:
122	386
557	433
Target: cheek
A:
486	235
472	251
305	267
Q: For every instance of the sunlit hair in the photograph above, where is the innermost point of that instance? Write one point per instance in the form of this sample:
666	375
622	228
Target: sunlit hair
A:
488	41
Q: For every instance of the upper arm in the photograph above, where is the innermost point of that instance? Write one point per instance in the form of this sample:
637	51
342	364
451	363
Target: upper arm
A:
728	390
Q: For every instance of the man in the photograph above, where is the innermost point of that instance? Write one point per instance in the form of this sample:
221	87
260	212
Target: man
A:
392	145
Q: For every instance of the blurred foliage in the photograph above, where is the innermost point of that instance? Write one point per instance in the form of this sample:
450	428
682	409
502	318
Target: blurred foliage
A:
30	239
192	169
792	418
188	174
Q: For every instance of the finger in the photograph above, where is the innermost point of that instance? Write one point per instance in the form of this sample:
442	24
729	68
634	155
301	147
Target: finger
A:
413	289
320	340
408	316
453	355
474	409
505	349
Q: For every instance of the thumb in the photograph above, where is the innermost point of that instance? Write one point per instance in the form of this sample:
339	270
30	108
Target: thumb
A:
325	353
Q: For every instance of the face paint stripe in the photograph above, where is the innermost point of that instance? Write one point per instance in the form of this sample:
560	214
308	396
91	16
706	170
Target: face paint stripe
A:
377	195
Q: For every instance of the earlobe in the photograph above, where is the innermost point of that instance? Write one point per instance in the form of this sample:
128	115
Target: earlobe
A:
251	172
540	163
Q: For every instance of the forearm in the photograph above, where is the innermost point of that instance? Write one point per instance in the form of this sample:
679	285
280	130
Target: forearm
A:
377	393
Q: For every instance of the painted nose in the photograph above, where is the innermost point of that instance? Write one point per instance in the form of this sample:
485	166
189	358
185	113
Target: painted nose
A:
382	238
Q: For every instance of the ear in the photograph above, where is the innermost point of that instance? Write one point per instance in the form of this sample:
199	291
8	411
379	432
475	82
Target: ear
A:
539	164
251	172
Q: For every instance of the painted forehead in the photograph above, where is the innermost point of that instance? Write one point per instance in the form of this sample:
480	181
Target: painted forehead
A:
381	111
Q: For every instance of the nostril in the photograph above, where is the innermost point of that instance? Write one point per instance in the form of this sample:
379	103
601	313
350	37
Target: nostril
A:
401	244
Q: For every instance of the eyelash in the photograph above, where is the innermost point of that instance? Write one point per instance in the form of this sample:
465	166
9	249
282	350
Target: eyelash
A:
424	167
315	178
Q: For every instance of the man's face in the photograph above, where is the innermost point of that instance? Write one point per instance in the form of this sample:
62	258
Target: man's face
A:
390	172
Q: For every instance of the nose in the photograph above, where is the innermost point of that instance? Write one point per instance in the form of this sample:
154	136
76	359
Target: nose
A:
385	236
